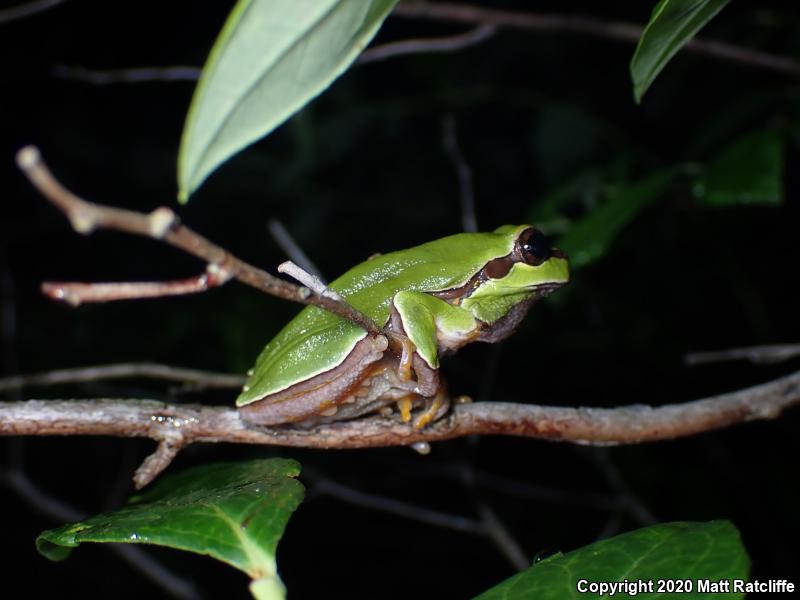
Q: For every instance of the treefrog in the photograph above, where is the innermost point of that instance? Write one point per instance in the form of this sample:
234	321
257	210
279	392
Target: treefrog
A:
429	300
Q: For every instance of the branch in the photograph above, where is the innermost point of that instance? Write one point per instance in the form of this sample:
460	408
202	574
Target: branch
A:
181	425
592	26
286	242
195	377
451	43
132	75
489	526
324	486
463	173
179	73
162	224
28	9
138	558
755	354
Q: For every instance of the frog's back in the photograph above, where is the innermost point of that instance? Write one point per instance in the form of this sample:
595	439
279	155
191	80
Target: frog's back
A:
316	341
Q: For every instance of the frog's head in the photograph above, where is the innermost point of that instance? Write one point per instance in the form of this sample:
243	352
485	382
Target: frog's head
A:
508	285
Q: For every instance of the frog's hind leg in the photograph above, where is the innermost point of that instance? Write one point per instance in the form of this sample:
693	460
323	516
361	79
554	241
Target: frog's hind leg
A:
435	409
402	343
428	391
329	396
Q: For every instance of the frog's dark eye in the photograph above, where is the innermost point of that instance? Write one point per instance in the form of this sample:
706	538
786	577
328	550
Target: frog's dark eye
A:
534	247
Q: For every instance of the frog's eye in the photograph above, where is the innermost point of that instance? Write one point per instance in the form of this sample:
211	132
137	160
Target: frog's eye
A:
534	247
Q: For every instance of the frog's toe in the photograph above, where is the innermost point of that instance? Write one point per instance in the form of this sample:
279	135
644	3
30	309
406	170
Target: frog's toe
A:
435	408
405	405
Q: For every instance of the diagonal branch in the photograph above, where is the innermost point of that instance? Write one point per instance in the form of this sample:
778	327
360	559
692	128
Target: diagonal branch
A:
138	558
27	9
162	224
180	425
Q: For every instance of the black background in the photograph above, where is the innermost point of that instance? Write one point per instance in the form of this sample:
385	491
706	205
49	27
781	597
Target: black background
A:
363	170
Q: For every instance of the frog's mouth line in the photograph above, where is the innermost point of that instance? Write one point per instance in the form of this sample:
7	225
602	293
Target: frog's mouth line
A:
545	289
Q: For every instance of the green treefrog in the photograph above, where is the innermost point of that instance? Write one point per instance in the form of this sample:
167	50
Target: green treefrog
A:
429	300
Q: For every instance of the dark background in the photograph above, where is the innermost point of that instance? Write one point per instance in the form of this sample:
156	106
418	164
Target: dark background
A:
364	170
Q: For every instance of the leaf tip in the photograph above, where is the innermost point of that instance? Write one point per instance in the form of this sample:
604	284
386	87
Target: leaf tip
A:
51	550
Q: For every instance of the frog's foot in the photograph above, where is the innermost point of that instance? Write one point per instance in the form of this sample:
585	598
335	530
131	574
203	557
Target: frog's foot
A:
435	408
405	346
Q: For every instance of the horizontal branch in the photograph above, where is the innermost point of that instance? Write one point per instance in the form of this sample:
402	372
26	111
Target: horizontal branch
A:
131	75
179	73
194	377
185	424
453	12
755	354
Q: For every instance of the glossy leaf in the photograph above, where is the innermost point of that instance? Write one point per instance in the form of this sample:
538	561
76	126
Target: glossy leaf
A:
590	238
234	512
750	171
672	24
272	57
692	551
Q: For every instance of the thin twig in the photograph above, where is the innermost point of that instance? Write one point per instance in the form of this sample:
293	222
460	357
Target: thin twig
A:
583	25
162	224
165	453
635	507
463	173
28	9
487	21
8	322
292	249
755	354
451	43
137	558
181	73
134	75
494	527
611	527
311	281
542	493
182	425
489	525
205	379
76	293
396	507
17	481
499	534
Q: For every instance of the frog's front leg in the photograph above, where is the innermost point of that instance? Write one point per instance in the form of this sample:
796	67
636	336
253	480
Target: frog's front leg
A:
428	323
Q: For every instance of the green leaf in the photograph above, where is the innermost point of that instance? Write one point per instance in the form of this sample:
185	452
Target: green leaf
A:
234	512
749	171
272	57
672	24
693	551
590	238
